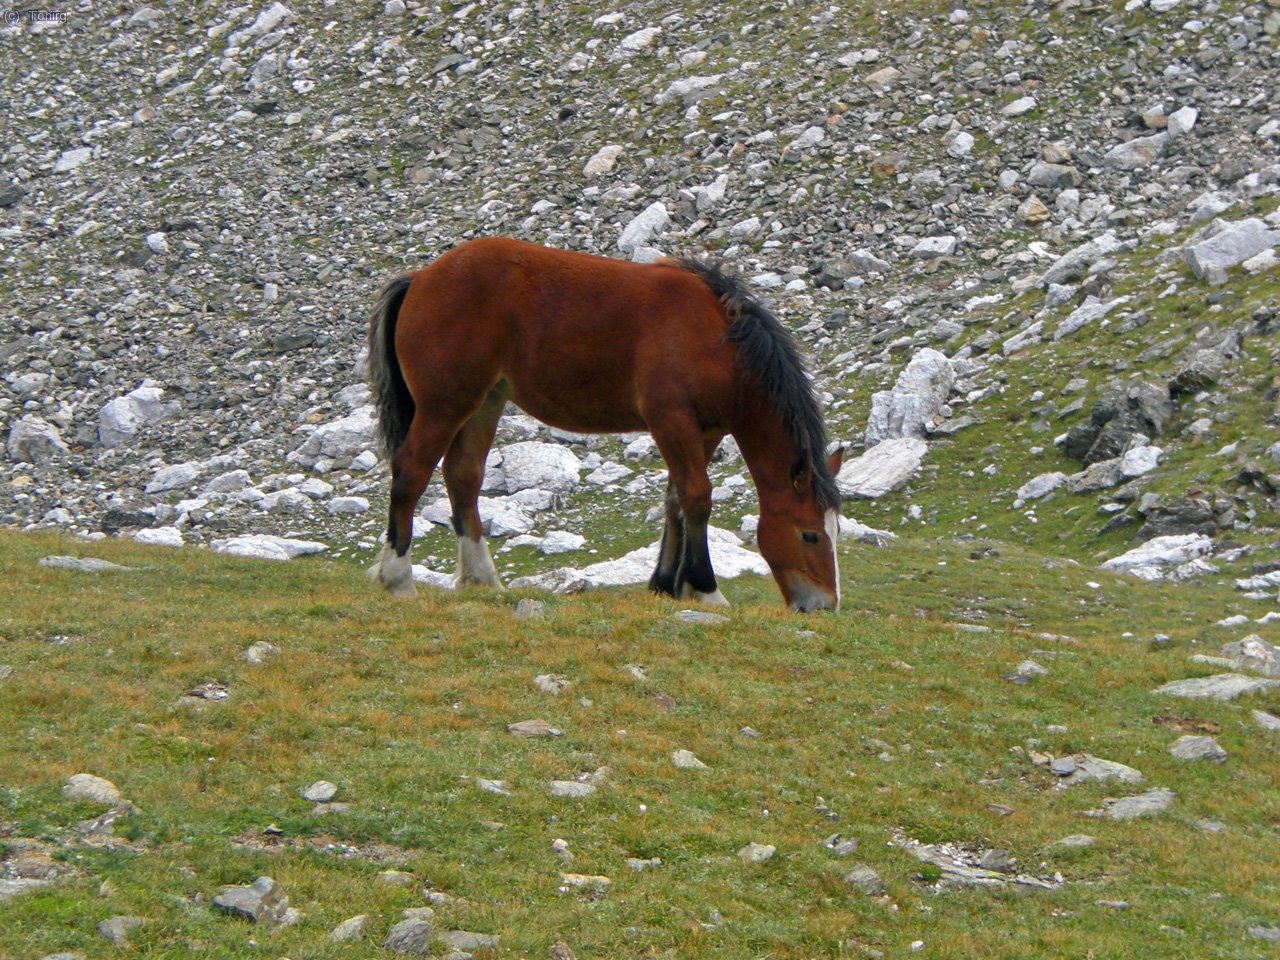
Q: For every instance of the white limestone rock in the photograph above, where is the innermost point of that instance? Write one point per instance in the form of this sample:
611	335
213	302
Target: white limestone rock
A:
915	402
267	547
35	440
883	468
1155	559
120	419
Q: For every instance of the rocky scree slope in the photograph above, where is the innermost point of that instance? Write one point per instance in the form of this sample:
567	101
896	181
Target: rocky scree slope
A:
1029	246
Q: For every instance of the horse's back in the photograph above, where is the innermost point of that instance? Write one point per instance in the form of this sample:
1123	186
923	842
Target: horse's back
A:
580	341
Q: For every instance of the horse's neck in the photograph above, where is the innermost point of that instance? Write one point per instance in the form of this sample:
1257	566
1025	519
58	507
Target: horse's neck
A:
766	445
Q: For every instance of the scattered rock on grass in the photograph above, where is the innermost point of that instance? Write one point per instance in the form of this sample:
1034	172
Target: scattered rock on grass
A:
263	901
410	937
757	852
351	930
1198	748
87	787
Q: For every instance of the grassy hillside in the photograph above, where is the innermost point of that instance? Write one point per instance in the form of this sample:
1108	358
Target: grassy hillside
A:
887	723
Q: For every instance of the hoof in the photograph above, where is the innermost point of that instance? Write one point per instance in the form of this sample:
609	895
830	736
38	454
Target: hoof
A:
714	599
394	574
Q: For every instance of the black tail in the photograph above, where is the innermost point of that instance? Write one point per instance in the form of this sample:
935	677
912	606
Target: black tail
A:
390	393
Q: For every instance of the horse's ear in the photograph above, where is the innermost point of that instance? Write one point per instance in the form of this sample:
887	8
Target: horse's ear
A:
801	475
835	461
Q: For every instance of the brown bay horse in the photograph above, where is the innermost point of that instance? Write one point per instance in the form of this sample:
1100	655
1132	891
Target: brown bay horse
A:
595	345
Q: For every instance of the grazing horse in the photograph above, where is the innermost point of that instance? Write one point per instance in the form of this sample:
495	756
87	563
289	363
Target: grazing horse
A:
594	345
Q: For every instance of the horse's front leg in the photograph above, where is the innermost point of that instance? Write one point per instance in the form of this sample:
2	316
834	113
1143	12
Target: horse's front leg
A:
687	450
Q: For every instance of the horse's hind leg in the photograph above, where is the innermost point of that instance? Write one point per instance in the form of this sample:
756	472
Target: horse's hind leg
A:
672	550
463	477
411	468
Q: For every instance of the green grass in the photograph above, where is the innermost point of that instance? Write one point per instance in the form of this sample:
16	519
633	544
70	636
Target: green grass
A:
888	711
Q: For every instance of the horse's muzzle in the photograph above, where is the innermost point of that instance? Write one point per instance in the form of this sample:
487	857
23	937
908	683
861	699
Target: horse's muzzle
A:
806	597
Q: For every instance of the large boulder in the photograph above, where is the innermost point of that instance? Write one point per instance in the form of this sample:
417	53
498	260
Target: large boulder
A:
1178	516
1161	556
1203	363
531	465
120	419
1223	245
915	402
1123	411
33	440
883	468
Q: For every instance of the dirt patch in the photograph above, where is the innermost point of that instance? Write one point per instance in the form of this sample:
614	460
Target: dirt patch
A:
1188	725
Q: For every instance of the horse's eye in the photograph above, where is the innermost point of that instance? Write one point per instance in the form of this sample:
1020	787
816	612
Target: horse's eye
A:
809	536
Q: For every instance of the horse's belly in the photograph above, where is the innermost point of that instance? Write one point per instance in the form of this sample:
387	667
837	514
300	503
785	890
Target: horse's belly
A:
580	411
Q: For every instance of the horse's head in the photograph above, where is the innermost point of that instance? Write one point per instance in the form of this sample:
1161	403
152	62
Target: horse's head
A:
797	538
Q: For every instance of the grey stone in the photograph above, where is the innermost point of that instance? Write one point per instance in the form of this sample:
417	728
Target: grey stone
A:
1091	310
1181	121
322	791
33	440
1137	153
552	683
1232	244
685	760
531	465
1255	654
338	441
527	729
1088	768
931	248
1222	686
91	789
866	880
1181	516
10	888
267	547
263	901
179	476
571	789
396	878
1025	672
884	468
1198	748
1053	176
117	929
1123	412
351	930
1148	804
1154	559
261	652
1073	265
644	228
73	159
83	564
757	852
700	616
1267	721
410	937
915	402
120	419
466	942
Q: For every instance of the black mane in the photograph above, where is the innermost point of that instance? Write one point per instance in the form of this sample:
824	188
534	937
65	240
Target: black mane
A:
768	352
